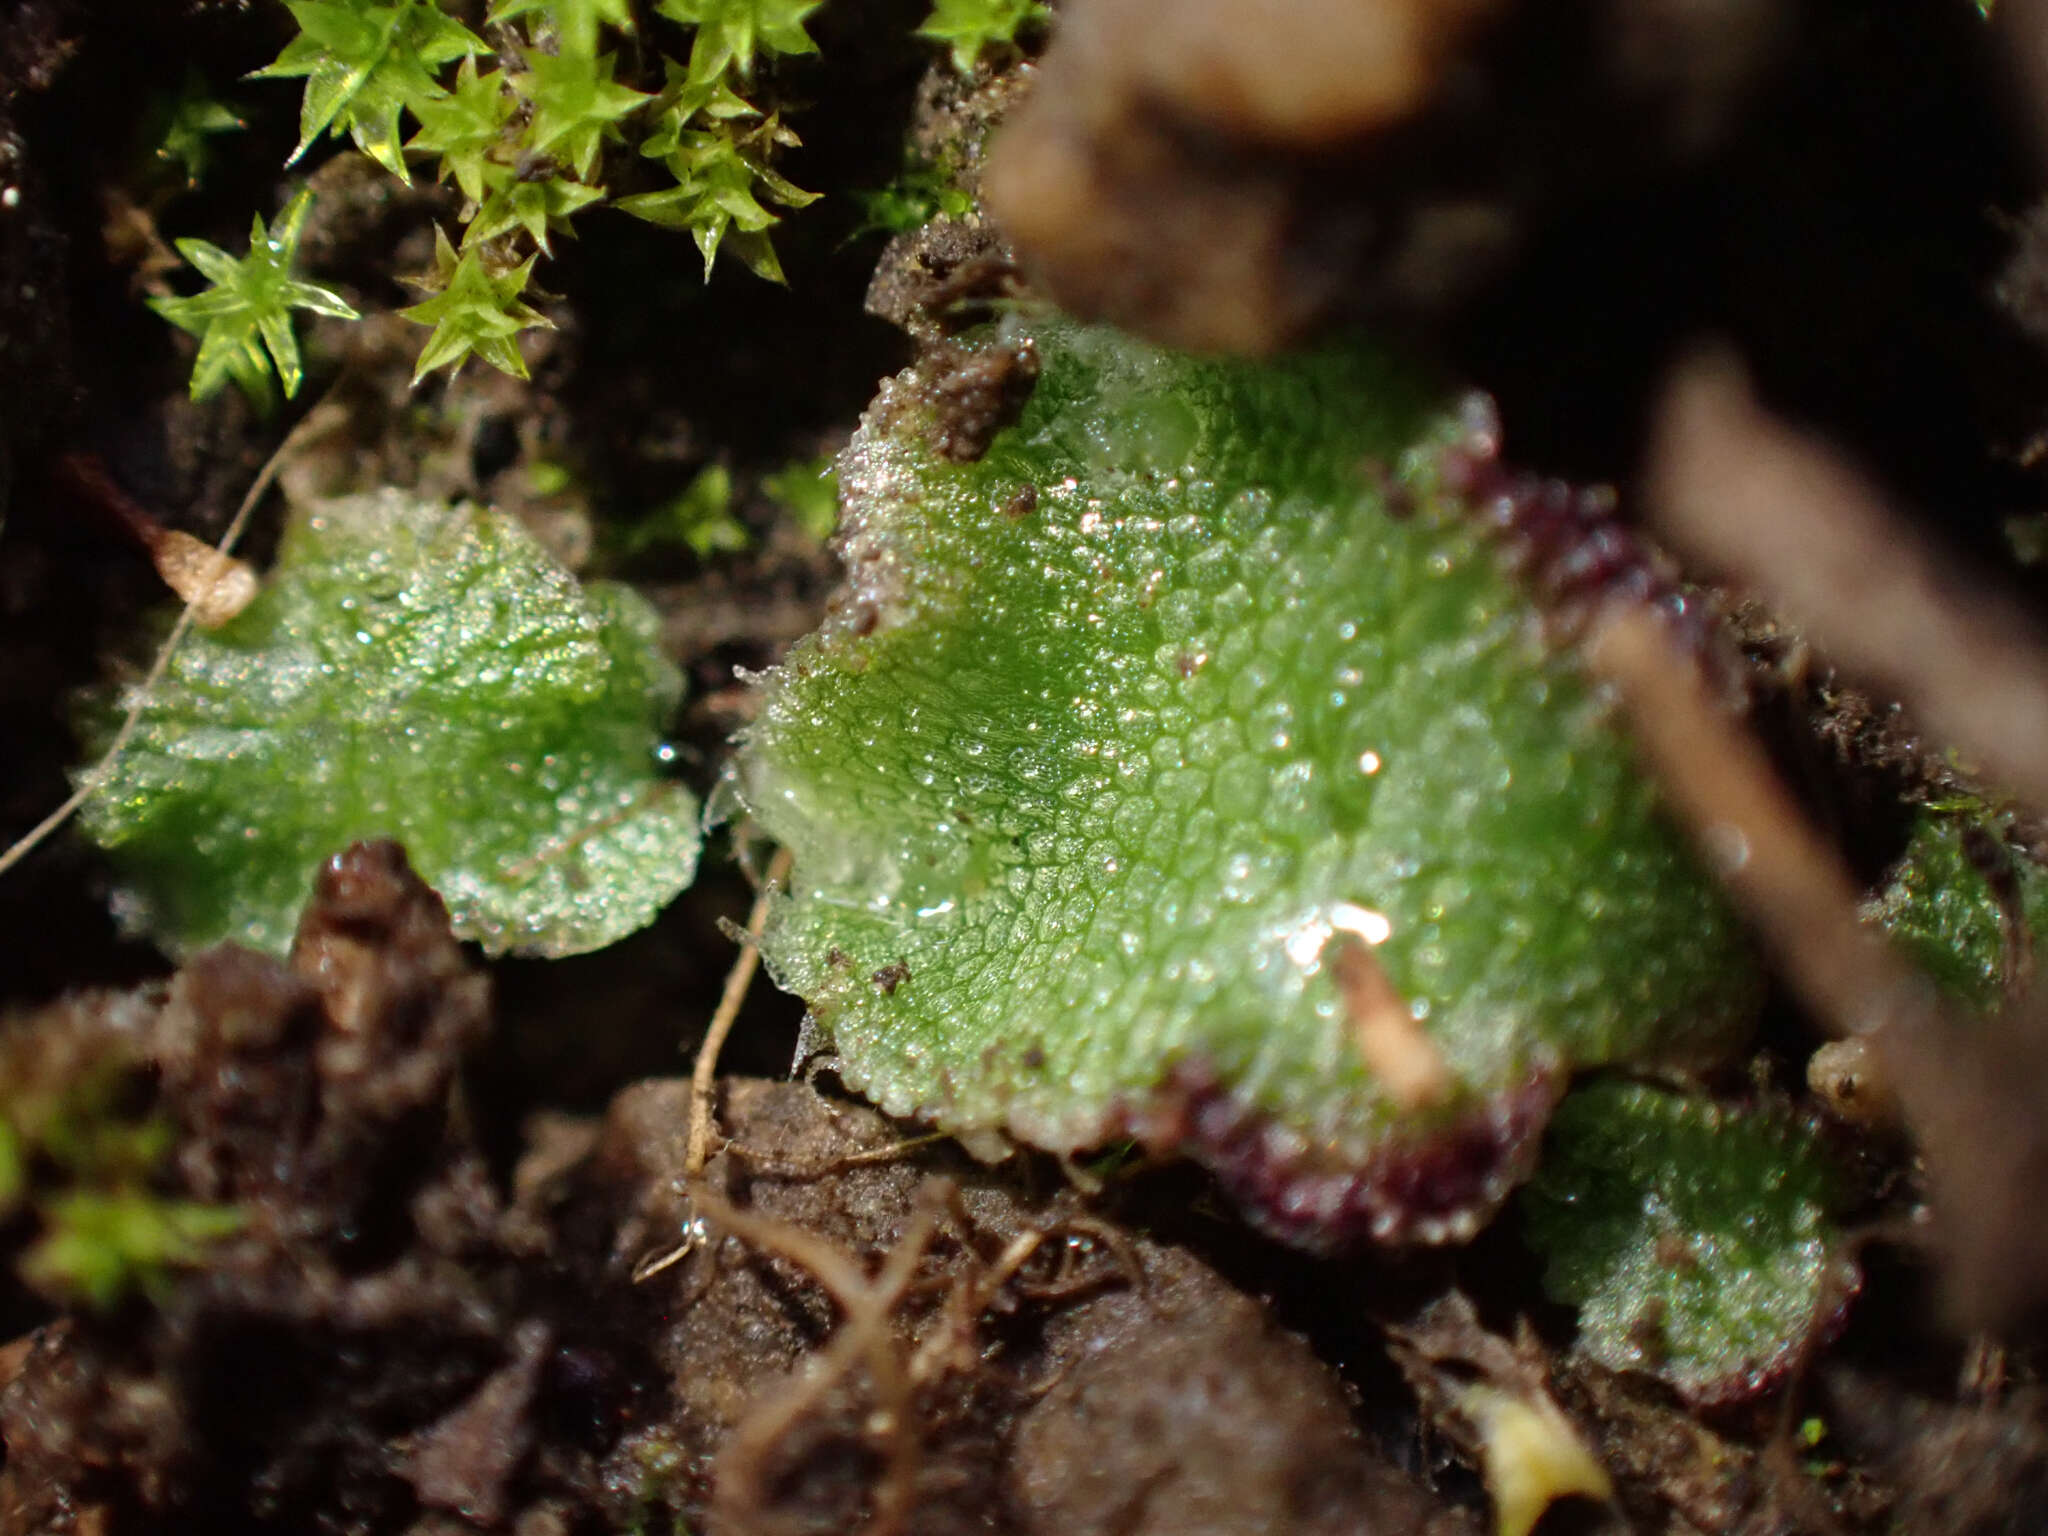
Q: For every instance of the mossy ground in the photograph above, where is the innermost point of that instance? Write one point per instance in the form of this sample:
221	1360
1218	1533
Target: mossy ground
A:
650	379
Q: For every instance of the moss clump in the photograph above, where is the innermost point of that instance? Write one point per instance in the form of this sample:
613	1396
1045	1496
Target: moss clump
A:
84	1162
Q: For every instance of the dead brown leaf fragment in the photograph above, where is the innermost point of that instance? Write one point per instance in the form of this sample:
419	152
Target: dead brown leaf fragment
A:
1492	1398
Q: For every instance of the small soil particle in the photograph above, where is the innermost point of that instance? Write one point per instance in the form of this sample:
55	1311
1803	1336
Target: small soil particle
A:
974	395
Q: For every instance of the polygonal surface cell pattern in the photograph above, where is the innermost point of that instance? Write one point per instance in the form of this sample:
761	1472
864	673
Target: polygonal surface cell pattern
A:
413	671
1119	737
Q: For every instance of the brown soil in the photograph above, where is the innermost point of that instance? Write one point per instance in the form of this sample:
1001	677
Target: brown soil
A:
394	1341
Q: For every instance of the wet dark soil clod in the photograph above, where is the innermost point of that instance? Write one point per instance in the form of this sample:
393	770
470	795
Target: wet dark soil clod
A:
396	1335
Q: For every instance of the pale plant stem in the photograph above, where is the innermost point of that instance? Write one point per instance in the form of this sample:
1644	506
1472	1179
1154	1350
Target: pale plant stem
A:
704	1075
314	422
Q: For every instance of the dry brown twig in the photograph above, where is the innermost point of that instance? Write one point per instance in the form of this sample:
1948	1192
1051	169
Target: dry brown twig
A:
865	1336
1117	1244
704	1072
951	1346
1754	496
760	1165
1794	521
1779	869
1970	1092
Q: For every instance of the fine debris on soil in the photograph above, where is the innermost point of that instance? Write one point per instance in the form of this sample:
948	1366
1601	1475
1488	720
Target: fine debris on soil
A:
394	1339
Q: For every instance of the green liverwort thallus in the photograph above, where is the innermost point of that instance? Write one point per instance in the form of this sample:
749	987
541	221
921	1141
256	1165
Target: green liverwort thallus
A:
413	671
1695	1238
1185	767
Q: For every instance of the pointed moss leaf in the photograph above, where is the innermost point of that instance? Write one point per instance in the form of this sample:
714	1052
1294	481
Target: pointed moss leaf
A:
542	208
1150	747
576	106
1695	1239
729	32
969	28
686	103
715	199
1957	900
363	65
575	23
187	126
417	672
464	126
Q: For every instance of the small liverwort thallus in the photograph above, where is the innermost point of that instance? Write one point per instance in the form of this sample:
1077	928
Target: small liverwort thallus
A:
413	671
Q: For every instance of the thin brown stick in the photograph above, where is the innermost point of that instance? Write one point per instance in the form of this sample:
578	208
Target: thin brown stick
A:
659	1261
851	1290
704	1074
1787	515
761	1166
950	1345
1971	1090
864	1337
319	419
1116	1244
1792	884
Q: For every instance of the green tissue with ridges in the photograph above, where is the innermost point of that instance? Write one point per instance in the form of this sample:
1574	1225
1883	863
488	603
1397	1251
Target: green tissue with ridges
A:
1696	1240
1941	908
1113	731
413	671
